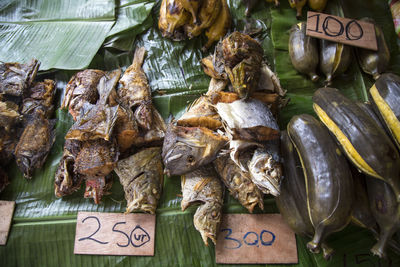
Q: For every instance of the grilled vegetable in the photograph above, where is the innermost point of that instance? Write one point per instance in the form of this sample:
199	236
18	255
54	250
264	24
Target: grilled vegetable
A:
303	51
386	211
374	62
81	89
66	180
141	175
328	178
16	78
220	27
248	120
187	148
317	5
203	185
298	5
292	201
34	144
363	141
386	96
239	183
334	59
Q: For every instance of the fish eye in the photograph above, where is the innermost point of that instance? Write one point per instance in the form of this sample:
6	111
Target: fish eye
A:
190	158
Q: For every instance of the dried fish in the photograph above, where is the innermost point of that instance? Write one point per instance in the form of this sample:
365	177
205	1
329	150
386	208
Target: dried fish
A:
239	183
41	96
187	148
125	129
9	114
16	78
34	144
141	175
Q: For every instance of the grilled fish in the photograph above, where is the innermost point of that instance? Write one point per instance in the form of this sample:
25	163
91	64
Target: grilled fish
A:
239	183
203	185
187	148
16	78
141	175
81	89
66	180
34	144
41	96
125	129
7	145
9	114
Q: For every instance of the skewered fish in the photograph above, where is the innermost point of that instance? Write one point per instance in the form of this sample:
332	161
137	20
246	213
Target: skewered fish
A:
16	78
81	89
141	175
187	148
239	183
203	185
34	144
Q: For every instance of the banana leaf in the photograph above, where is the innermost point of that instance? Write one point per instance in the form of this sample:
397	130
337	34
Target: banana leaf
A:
43	227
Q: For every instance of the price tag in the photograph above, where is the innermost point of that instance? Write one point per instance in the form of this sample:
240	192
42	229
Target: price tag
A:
255	239
342	30
6	211
115	234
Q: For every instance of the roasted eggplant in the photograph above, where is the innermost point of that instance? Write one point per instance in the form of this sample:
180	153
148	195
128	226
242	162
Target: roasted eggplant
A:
366	144
329	185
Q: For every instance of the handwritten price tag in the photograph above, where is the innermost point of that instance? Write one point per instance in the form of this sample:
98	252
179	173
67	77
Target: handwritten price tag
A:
6	211
342	30
115	234
255	238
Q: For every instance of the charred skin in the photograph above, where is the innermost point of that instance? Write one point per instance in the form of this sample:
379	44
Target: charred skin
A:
292	201
97	187
386	211
41	97
374	62
365	143
239	183
16	78
207	15
187	148
303	51
328	179
385	94
66	180
204	187
173	17
80	89
34	144
220	27
334	59
96	158
141	176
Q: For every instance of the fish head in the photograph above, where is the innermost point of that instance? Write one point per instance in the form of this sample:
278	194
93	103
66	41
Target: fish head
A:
180	158
206	220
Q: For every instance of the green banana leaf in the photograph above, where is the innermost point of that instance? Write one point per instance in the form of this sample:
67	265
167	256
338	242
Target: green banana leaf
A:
43	227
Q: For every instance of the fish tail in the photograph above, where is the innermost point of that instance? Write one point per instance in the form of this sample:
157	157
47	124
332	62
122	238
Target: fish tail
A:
138	58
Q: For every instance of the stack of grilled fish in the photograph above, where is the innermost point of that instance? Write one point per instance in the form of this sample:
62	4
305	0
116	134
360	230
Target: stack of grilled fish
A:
185	19
26	130
230	134
110	125
334	58
321	193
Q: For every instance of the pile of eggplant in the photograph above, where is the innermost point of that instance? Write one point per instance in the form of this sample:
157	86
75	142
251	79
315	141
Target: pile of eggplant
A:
228	137
344	168
114	130
334	58
186	19
26	106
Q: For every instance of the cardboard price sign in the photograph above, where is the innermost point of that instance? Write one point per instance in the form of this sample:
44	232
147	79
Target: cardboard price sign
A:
115	234
255	239
6	211
342	30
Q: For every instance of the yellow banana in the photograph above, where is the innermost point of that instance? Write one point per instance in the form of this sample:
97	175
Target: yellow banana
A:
298	5
317	5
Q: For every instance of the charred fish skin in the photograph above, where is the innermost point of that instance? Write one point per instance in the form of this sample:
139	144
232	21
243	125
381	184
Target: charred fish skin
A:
34	144
363	141
81	89
40	98
374	62
141	176
16	78
239	183
385	95
386	211
66	180
303	51
187	148
292	200
327	175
